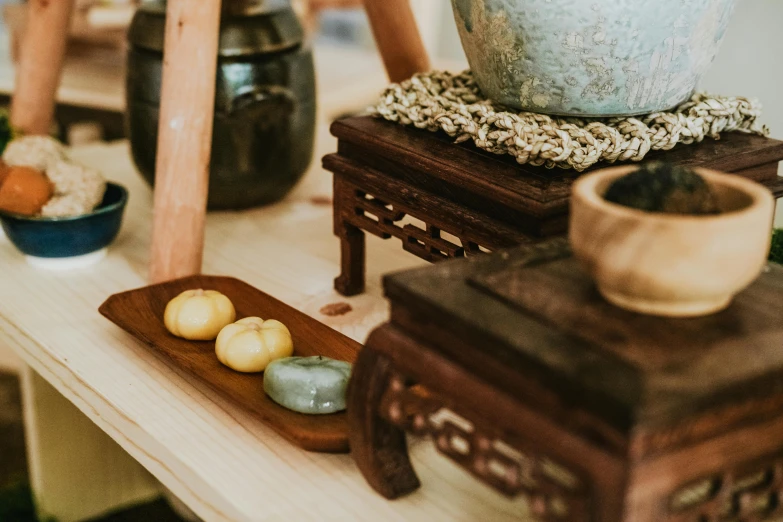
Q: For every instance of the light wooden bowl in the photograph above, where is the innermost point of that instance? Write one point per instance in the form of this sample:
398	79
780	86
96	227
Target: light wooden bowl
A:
667	264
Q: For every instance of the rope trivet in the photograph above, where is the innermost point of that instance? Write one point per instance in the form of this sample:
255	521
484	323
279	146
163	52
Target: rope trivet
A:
453	103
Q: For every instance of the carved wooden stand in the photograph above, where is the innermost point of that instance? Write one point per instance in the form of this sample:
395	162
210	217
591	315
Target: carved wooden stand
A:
467	200
593	413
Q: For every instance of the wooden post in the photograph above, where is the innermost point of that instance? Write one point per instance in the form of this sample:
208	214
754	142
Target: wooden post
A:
185	138
93	476
40	65
397	37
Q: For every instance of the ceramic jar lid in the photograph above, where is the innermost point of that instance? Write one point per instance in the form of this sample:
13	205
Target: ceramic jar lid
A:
248	27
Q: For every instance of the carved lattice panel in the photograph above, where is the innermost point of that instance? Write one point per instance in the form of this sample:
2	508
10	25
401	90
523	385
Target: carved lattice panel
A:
384	220
751	494
555	492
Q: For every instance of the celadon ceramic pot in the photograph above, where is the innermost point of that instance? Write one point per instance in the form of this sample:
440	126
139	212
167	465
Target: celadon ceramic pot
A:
590	57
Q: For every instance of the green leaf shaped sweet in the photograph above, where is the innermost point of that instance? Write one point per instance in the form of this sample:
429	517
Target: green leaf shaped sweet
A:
311	385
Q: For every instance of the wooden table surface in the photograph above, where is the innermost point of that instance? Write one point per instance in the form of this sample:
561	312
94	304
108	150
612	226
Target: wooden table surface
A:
223	464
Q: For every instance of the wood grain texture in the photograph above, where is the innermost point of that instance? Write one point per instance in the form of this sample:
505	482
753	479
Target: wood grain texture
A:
397	37
140	312
730	465
631	369
433	208
597	477
40	65
185	138
365	200
489	182
652	419
562	295
735	473
385	173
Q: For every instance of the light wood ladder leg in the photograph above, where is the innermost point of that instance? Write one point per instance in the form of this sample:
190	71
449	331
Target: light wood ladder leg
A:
185	138
77	472
40	65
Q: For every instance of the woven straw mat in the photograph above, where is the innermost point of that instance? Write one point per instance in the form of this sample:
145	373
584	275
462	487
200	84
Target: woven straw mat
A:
453	103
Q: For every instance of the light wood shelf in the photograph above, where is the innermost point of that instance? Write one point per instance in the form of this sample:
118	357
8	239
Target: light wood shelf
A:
223	464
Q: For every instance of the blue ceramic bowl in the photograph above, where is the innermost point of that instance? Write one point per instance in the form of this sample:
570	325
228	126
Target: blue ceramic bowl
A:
61	237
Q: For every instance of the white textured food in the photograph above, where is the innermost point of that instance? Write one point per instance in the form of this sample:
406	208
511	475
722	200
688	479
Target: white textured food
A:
38	152
77	190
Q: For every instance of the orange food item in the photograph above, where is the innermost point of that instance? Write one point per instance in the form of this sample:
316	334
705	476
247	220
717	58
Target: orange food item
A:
24	190
3	172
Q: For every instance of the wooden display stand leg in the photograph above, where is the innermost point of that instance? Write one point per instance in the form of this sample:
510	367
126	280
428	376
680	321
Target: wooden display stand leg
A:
379	448
77	472
352	242
352	261
493	437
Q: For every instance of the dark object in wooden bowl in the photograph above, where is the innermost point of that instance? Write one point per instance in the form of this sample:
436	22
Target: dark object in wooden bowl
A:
140	313
664	187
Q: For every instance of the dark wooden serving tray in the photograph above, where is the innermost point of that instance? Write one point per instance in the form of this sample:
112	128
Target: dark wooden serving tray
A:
140	313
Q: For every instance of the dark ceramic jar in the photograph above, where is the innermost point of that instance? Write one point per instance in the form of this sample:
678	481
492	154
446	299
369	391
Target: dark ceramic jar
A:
264	122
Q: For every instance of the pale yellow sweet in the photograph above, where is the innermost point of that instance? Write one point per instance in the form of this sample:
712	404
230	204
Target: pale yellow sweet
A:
250	344
198	315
